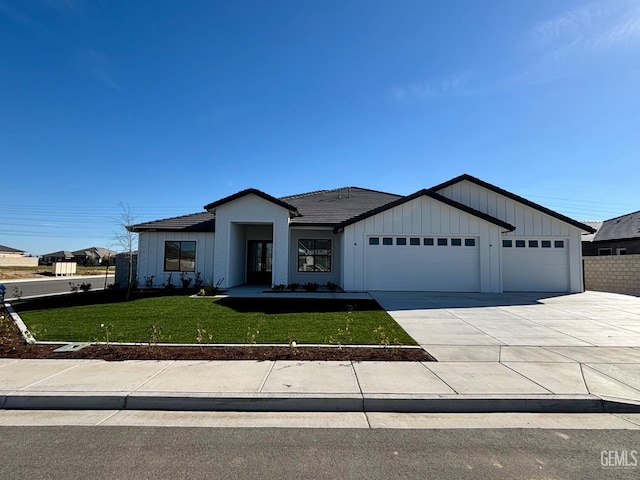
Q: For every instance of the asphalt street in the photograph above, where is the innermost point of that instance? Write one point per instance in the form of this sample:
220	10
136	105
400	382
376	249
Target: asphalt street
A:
29	288
270	453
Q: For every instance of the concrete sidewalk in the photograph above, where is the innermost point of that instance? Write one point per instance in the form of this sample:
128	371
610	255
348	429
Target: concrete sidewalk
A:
320	386
497	353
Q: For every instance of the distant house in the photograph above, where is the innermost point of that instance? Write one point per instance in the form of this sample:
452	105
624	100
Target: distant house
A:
92	255
61	256
616	236
11	252
12	257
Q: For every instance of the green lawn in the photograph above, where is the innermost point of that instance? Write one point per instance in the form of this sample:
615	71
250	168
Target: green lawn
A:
92	316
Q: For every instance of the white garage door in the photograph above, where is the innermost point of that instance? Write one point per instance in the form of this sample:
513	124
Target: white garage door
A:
440	264
535	265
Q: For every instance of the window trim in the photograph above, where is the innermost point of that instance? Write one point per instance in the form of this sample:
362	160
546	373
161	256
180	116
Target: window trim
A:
180	256
329	256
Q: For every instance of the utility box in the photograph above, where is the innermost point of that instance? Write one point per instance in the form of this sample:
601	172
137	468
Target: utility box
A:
64	268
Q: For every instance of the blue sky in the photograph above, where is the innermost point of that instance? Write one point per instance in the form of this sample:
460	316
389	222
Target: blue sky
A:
167	106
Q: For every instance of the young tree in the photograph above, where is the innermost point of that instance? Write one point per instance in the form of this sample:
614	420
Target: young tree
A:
125	238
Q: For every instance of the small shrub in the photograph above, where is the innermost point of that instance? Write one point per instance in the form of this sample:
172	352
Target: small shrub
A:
293	286
281	287
85	287
75	288
185	280
332	286
148	281
310	287
169	284
113	286
197	282
155	334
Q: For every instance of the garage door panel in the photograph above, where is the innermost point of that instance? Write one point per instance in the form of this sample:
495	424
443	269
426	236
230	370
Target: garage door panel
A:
535	269
423	268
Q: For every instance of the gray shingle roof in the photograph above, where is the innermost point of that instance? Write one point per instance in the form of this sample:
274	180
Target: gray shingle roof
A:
588	237
331	207
619	228
4	249
195	222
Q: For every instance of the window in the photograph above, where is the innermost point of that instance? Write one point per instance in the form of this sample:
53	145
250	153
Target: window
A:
621	251
401	241
533	243
374	241
387	241
428	241
414	241
507	243
604	251
520	243
314	255
179	256
456	242
558	244
442	242
469	242
546	243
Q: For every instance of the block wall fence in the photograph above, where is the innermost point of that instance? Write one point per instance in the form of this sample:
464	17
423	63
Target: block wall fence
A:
615	273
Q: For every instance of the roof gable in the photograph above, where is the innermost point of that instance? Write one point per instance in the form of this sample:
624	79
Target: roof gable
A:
514	197
624	227
431	194
251	191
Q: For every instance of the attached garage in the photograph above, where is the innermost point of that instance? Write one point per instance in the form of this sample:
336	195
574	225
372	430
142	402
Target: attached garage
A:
535	265
440	263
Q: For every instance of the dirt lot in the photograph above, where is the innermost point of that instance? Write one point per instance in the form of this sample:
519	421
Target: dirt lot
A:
18	273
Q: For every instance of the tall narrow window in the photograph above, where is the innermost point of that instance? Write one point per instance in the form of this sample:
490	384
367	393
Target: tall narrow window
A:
314	255
179	256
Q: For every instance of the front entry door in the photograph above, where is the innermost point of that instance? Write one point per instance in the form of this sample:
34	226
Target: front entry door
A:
259	264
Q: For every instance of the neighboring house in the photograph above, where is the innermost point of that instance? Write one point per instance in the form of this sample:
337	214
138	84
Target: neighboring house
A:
12	257
11	252
616	236
61	256
93	256
463	235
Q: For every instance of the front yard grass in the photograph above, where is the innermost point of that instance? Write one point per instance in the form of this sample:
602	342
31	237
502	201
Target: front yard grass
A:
94	316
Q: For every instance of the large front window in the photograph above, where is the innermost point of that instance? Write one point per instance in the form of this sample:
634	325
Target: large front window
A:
314	255
179	256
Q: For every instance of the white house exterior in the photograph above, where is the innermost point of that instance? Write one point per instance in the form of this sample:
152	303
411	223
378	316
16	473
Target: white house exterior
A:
464	235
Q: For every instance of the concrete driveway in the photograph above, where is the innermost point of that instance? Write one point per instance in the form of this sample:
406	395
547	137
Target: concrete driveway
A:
585	327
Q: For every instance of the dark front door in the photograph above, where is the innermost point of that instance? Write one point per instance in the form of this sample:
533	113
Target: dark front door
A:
259	261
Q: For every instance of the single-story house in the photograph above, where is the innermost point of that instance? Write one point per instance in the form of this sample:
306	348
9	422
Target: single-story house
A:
12	257
11	252
93	255
61	256
616	236
464	235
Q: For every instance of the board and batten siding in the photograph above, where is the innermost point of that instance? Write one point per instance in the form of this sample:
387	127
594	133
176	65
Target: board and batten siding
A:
530	223
152	262
421	216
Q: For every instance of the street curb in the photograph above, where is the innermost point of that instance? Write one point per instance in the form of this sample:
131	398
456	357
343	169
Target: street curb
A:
312	403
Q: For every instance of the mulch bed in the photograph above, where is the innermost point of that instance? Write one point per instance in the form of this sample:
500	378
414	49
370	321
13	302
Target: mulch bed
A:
13	346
